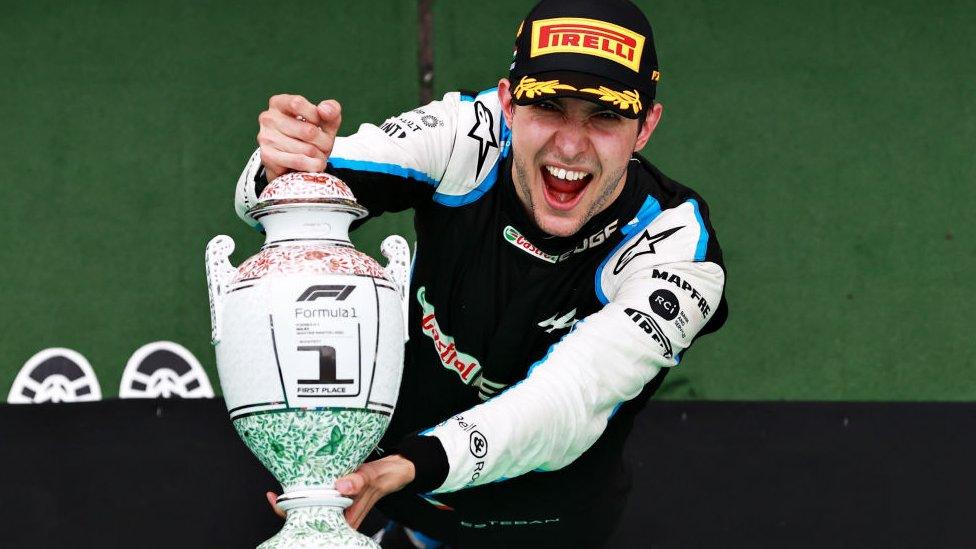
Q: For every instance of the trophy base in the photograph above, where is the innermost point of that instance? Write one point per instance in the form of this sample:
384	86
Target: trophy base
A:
317	527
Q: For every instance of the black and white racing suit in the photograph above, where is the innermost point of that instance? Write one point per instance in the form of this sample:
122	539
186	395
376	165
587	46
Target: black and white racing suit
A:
529	355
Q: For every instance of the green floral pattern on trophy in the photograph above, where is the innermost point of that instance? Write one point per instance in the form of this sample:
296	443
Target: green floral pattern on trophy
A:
315	527
311	447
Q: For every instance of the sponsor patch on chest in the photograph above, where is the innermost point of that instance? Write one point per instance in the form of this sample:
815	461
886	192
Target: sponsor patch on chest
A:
463	364
517	239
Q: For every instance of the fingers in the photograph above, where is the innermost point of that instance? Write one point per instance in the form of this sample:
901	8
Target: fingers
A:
330	116
294	106
273	500
278	162
296	135
276	123
356	512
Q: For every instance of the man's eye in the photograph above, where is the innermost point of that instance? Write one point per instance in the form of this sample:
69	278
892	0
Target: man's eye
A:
547	106
608	116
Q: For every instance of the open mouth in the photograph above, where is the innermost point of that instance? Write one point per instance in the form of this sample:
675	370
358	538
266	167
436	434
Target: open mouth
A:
563	188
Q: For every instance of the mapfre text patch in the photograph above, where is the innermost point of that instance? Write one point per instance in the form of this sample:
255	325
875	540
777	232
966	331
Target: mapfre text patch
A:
587	37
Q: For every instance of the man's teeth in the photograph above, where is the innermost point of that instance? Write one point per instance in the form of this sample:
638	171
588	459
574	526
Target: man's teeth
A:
568	175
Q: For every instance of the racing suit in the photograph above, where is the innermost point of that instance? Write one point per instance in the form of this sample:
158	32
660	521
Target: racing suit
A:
529	355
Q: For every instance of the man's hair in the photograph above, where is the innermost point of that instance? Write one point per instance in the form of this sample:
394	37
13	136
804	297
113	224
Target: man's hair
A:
641	118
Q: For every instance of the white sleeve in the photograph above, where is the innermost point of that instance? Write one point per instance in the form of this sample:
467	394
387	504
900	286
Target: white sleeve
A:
454	145
562	407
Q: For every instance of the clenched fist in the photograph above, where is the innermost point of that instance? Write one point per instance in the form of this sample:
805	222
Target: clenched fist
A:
296	135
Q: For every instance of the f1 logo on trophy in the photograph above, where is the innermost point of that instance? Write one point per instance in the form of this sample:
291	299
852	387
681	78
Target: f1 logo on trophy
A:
309	336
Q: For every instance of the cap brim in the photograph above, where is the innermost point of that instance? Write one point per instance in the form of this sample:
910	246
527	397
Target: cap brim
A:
535	88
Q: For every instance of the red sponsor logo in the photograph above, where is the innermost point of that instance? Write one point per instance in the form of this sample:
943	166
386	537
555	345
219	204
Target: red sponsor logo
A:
465	365
588	37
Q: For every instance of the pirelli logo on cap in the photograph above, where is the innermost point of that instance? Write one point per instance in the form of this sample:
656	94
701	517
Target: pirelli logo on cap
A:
587	37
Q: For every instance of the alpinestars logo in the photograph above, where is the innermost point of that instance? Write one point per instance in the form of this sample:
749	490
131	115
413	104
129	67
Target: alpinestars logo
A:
337	292
643	245
562	322
483	132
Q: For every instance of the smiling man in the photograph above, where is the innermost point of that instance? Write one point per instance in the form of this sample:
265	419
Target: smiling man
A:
558	277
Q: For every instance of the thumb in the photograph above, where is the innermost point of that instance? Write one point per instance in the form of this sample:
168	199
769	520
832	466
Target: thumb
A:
273	500
351	484
330	116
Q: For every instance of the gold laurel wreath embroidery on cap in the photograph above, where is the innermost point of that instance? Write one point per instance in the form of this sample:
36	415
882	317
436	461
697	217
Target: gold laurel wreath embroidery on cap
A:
625	100
530	87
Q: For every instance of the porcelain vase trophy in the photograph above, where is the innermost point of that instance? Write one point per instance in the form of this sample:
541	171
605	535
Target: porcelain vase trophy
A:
309	338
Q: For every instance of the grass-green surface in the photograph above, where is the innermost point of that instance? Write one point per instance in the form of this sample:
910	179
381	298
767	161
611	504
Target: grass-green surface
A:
833	141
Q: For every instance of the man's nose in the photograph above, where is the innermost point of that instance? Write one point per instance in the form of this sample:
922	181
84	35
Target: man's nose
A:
571	140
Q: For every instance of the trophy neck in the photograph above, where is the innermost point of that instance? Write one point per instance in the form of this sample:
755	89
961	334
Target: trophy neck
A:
302	222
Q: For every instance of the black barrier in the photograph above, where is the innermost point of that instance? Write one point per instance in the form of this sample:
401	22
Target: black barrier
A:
172	473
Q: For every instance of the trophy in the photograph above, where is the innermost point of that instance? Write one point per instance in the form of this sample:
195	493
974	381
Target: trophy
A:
309	337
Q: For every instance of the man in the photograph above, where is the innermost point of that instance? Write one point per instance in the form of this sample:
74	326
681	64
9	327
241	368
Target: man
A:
558	277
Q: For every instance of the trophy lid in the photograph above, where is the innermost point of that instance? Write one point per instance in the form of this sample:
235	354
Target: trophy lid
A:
309	188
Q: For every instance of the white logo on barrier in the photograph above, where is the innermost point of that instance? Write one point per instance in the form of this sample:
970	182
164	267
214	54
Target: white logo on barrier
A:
164	369
55	375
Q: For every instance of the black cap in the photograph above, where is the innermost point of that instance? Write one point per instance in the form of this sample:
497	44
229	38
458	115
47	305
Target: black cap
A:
598	50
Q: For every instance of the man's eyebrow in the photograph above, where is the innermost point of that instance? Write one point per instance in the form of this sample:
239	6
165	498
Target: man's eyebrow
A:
597	109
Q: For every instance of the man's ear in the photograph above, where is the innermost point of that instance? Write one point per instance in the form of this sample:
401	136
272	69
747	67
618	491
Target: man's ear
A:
505	98
653	117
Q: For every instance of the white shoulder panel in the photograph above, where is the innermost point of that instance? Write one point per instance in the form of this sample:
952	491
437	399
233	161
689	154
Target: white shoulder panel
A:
653	238
454	144
482	139
416	144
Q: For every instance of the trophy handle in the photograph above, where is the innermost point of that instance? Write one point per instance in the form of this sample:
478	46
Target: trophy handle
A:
397	251
219	274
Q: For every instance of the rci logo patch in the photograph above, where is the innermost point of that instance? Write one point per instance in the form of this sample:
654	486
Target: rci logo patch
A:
664	304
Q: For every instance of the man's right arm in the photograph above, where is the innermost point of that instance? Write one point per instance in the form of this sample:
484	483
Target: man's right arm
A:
389	167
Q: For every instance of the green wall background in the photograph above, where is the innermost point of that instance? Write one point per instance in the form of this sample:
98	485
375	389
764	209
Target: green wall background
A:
833	141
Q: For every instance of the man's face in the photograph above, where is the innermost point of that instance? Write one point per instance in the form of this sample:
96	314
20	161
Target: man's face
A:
570	157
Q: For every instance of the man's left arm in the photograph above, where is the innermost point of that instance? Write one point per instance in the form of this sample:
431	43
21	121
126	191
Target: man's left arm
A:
561	408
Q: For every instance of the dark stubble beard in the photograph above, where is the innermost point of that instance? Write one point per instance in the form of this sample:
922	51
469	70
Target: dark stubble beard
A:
598	205
603	199
522	181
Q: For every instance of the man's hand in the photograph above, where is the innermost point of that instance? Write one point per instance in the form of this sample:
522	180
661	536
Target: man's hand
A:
296	135
366	486
372	481
273	500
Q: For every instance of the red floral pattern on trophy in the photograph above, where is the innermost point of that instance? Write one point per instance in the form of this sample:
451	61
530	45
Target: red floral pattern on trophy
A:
306	185
310	259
